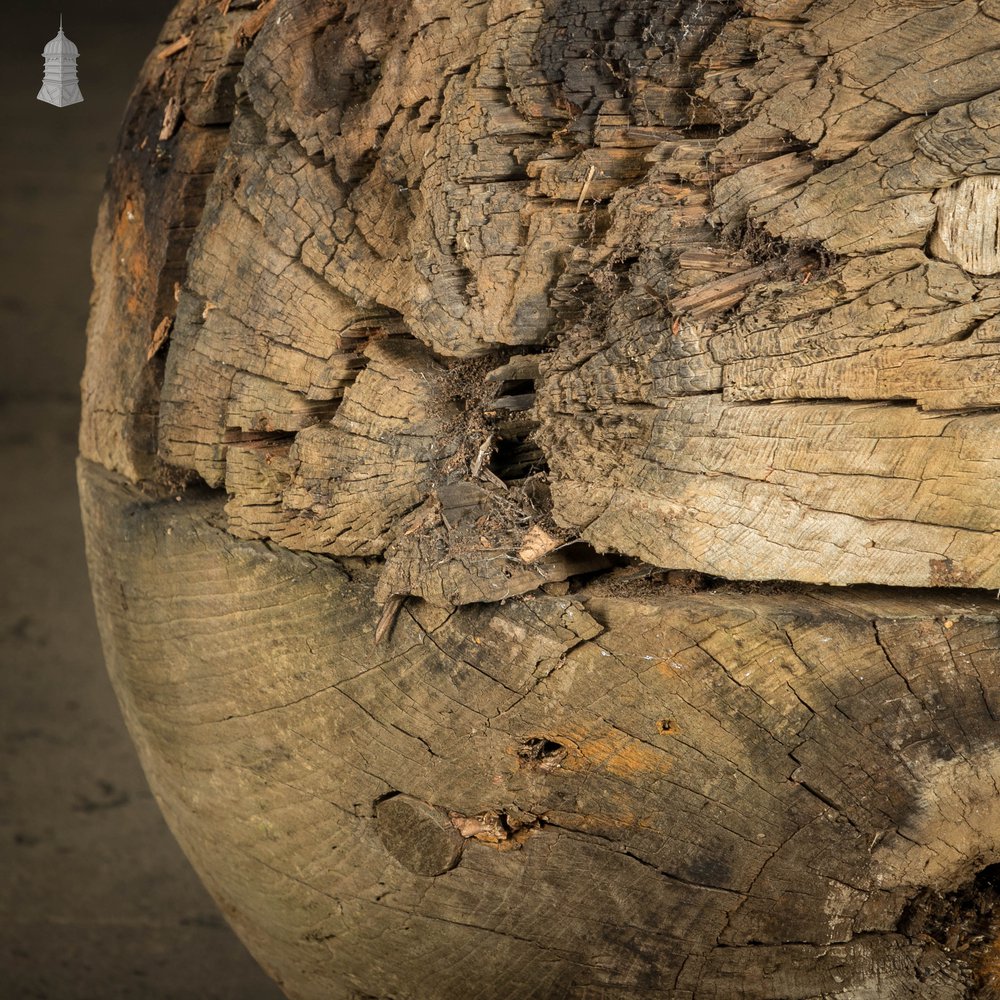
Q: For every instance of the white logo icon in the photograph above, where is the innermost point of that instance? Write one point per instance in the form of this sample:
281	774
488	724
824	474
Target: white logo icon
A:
60	86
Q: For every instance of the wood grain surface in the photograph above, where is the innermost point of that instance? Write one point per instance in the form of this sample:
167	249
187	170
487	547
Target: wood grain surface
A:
460	375
597	795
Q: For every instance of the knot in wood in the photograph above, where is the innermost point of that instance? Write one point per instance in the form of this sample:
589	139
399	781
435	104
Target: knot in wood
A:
418	835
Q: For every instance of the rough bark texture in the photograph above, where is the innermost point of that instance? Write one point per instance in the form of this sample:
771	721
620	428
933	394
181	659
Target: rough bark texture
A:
495	341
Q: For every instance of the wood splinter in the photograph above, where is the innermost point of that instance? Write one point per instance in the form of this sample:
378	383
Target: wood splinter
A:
171	118
586	187
174	47
159	336
390	612
481	455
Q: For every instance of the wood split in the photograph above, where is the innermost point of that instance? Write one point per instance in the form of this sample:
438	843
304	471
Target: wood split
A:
494	479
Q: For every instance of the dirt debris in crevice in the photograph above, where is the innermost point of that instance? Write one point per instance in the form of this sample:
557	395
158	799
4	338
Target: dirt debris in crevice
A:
964	923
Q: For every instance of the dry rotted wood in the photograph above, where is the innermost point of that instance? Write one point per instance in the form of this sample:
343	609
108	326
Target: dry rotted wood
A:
414	198
152	204
464	305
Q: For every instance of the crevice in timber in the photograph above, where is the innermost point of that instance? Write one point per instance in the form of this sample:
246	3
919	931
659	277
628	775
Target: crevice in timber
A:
617	846
964	923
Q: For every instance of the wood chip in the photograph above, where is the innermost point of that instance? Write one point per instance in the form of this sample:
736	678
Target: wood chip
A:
586	187
171	118
253	24
536	543
159	336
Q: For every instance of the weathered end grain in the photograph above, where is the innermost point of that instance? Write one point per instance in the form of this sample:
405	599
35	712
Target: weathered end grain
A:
514	332
719	794
477	183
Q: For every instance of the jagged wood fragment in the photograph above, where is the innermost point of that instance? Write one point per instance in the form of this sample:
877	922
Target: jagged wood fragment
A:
463	546
343	487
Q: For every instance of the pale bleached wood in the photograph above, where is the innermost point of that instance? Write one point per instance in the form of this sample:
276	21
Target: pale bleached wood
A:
968	224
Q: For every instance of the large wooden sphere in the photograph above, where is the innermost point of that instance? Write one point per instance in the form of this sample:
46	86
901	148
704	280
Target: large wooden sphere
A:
541	470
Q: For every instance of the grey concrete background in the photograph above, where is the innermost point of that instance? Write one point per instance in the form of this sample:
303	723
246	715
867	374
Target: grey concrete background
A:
96	900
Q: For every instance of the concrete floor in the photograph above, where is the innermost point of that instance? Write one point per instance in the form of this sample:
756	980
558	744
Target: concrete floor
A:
96	900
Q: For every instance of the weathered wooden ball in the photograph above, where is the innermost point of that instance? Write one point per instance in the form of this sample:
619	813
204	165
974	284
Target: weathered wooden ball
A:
541	472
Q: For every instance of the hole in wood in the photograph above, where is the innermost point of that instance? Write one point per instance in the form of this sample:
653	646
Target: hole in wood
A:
514	457
538	748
